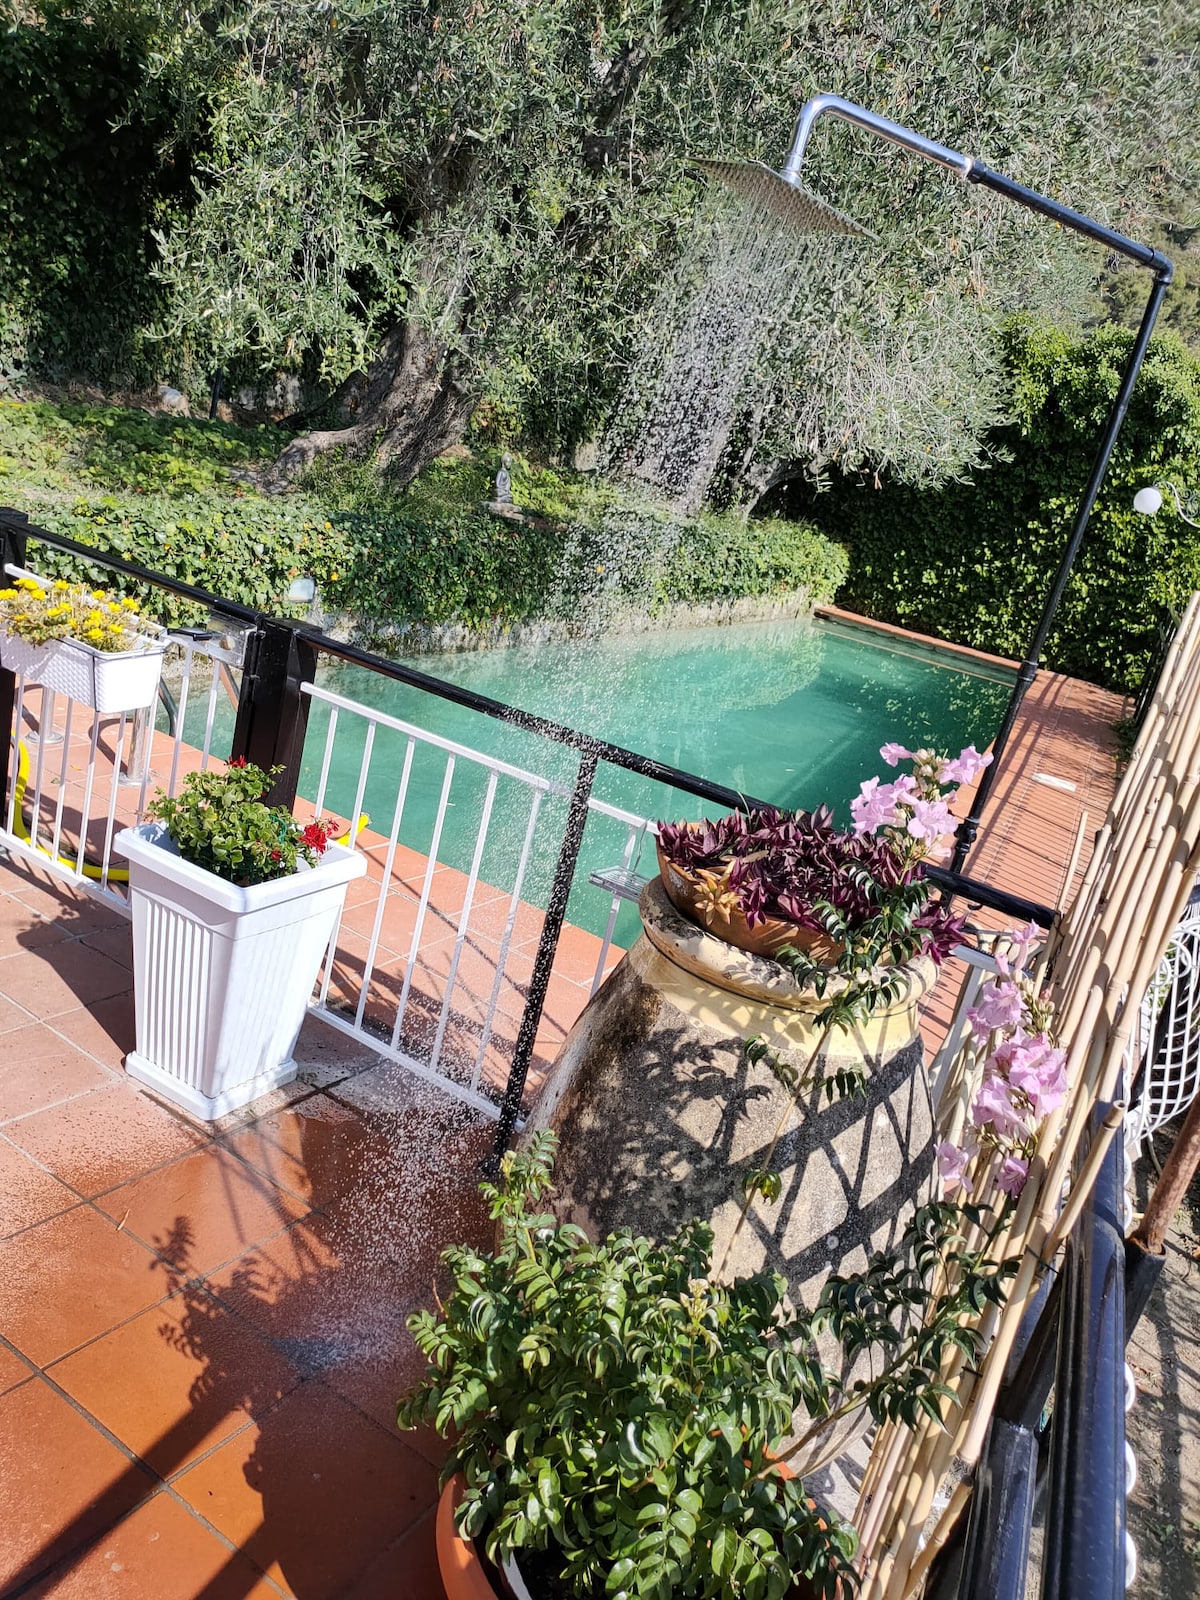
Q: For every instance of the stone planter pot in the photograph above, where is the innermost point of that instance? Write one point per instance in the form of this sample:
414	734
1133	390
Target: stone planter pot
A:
222	976
660	1116
106	680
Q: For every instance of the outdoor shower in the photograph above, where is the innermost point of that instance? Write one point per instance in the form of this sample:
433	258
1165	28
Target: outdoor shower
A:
783	194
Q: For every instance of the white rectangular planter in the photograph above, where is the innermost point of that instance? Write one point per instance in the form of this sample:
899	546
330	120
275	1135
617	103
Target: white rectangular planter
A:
222	976
107	680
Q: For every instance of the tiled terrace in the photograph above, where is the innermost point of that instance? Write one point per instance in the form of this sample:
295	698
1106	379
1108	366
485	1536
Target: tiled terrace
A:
202	1329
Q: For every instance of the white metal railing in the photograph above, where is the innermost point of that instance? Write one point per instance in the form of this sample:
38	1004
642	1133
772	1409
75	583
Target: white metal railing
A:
624	882
77	776
348	1005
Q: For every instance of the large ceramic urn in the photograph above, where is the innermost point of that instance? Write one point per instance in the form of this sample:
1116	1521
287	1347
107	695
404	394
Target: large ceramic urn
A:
660	1115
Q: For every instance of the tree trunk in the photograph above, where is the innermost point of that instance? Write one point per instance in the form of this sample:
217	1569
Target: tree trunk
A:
411	404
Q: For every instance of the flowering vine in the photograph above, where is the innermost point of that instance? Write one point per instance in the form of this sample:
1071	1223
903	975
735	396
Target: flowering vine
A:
1023	1077
914	812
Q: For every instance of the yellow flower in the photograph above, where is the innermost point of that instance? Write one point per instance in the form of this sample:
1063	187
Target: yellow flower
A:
130	604
94	635
61	585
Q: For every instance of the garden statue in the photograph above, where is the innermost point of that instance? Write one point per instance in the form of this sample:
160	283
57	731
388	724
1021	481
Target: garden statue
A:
504	495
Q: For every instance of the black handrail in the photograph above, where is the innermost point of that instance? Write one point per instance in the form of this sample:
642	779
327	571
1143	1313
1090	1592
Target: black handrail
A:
1085	1510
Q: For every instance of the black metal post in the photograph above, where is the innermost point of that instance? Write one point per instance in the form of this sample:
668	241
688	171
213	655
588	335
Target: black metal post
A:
214	398
1085	1513
272	714
12	552
997	1548
969	827
1143	1269
556	910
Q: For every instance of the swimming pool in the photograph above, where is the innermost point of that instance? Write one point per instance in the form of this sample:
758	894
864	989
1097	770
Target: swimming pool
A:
792	712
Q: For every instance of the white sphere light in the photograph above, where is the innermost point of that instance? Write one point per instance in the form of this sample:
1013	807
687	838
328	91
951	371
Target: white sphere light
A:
1148	501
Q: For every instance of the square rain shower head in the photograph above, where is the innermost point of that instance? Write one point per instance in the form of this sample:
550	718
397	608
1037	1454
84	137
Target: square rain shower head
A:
788	201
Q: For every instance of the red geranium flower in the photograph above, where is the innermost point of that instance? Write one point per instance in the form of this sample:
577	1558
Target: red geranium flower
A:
238	761
315	837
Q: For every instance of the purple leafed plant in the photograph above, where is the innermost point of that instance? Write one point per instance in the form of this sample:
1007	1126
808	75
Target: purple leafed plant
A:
864	887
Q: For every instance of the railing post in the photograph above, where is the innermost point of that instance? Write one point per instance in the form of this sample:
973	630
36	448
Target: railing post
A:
556	910
272	714
1085	1509
12	550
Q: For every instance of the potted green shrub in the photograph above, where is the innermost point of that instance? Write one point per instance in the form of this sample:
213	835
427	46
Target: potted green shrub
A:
234	904
85	643
621	1419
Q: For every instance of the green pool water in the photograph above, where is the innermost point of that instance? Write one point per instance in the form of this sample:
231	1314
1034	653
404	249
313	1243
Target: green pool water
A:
791	712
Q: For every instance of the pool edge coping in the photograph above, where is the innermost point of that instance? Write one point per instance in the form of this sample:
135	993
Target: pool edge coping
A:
893	630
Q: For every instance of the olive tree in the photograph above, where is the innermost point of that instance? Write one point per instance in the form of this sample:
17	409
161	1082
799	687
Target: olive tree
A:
469	206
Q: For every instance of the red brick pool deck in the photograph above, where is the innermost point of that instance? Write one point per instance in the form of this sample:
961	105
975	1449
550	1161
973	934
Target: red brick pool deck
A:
202	1329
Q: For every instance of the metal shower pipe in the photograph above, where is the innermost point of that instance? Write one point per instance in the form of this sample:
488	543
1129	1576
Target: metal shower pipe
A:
972	171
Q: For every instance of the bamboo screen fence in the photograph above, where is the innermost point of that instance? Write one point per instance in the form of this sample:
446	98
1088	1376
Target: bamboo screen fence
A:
1095	968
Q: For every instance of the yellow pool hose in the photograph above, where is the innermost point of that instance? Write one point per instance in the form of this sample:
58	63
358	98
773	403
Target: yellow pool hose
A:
97	874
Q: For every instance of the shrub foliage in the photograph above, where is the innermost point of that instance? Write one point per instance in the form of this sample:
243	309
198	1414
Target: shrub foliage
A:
974	561
166	493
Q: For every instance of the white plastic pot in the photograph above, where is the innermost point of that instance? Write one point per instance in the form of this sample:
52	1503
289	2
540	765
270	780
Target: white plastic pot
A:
108	681
222	976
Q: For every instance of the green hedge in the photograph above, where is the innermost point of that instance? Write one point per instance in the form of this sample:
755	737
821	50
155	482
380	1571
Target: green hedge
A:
164	492
83	185
973	562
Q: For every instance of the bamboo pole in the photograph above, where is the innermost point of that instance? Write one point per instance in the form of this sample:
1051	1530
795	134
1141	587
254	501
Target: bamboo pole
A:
1098	960
935	1543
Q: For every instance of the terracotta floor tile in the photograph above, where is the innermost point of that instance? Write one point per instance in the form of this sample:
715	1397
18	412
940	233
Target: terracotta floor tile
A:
38	1069
376	1382
201	1210
104	1030
28	1193
313	1493
61	1482
161	1552
22	928
12	1016
12	1369
396	928
577	954
116	943
58	977
323	1047
409	1568
310	1148
69	1279
320	1304
177	1380
70	909
104	1138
